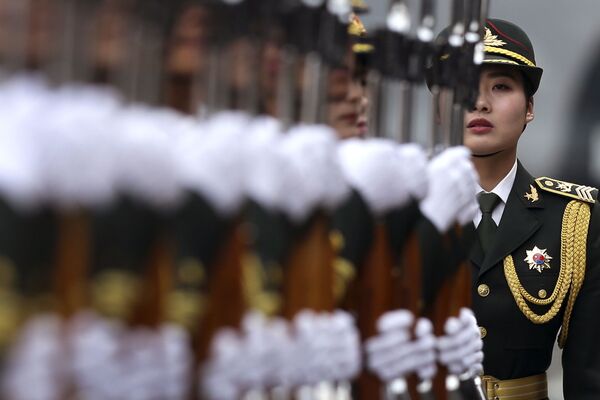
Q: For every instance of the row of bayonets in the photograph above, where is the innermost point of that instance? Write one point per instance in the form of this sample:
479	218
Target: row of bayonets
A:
311	31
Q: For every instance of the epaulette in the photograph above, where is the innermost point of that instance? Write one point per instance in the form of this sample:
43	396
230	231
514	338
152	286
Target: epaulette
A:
584	193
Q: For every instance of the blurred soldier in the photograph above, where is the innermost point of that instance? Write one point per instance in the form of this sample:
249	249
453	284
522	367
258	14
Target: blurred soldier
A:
347	96
359	85
535	266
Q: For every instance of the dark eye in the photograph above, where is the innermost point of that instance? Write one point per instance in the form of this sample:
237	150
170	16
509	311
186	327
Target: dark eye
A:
501	86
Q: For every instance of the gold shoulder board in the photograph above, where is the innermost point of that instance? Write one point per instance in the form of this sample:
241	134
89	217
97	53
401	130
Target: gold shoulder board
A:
584	193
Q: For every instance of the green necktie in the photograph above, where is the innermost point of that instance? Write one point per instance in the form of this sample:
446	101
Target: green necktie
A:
487	227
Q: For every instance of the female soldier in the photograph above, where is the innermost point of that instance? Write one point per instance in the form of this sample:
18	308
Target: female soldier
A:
535	265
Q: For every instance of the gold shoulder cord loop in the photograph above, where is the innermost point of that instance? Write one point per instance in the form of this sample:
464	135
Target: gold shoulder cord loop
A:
581	226
572	270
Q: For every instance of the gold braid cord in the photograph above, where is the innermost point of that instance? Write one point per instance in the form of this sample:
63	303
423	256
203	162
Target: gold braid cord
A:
572	270
525	60
579	264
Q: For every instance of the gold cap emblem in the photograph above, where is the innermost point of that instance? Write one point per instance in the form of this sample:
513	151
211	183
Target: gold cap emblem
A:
492	40
356	26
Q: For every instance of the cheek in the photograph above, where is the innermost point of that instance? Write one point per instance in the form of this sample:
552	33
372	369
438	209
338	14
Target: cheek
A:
335	112
513	116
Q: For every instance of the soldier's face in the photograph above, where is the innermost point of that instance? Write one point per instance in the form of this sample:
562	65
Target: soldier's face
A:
496	123
345	105
187	47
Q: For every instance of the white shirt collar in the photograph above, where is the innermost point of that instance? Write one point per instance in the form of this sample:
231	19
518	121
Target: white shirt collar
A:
502	189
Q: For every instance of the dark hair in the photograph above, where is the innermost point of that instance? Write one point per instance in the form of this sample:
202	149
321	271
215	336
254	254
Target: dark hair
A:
361	66
529	92
527	87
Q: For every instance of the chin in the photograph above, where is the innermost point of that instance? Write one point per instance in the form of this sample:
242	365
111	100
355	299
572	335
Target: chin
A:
480	150
479	145
348	134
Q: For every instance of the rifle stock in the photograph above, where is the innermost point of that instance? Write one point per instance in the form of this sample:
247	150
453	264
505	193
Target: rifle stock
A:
226	304
375	293
156	282
454	294
408	294
72	258
308	281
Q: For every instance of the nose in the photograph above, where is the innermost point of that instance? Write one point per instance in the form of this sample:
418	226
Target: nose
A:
482	104
355	91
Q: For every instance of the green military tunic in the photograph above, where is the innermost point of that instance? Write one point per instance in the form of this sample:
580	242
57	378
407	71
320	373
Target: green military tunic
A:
544	242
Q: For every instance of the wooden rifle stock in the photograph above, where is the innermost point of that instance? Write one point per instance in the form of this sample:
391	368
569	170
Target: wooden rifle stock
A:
156	281
226	303
72	259
375	298
407	292
385	280
308	281
454	294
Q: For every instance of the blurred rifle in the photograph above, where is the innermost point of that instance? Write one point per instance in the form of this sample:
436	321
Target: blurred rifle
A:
386	283
132	259
69	63
455	74
318	41
221	256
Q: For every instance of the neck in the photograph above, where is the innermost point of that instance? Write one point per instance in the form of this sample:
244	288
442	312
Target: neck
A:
494	168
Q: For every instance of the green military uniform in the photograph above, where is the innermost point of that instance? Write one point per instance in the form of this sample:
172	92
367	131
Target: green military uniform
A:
541	274
546	247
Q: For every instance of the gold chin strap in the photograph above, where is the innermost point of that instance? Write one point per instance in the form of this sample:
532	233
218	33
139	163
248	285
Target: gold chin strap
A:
572	270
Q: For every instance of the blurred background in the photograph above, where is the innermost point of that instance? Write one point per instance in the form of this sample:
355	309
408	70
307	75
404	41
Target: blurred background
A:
564	137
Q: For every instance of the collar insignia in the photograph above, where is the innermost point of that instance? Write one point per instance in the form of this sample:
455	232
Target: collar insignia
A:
533	196
538	259
492	40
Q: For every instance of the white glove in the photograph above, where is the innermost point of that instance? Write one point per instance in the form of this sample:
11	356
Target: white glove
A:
452	189
393	354
311	362
339	344
375	168
94	346
425	358
460	349
414	162
284	370
142	365
35	367
219	379
177	361
327	347
255	365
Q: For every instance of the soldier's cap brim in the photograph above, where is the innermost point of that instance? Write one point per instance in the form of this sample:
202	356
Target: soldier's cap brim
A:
532	73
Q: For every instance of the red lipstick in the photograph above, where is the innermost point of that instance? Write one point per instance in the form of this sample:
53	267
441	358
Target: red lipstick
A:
480	125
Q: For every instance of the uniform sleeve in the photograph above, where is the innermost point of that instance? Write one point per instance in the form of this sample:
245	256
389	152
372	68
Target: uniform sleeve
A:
581	355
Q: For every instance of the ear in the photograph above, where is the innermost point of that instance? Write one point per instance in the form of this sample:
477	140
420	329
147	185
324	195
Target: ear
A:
529	113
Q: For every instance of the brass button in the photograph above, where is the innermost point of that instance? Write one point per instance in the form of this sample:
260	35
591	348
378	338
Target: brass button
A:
542	294
483	290
482	332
